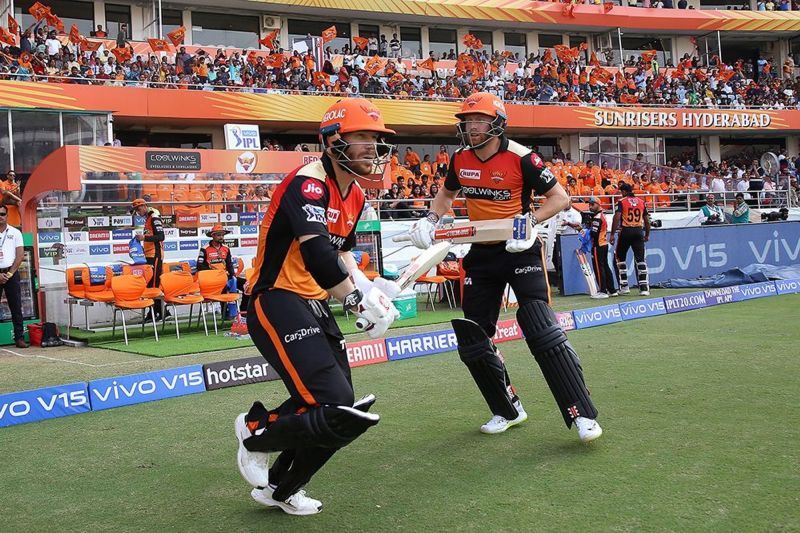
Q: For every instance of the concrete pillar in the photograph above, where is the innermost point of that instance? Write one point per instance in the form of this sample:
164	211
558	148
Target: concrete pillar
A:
565	39
681	44
460	34
498	40
218	138
709	148
100	17
139	19
532	42
283	35
425	42
187	23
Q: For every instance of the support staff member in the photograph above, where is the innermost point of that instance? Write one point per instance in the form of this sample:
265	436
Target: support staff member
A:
215	254
152	239
11	254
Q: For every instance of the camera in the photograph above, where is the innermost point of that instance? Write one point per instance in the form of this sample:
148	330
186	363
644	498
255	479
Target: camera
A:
656	223
775	216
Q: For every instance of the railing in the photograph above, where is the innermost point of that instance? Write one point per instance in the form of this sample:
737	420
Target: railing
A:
261	90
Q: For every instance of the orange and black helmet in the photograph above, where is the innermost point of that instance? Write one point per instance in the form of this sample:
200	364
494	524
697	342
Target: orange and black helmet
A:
352	114
483	103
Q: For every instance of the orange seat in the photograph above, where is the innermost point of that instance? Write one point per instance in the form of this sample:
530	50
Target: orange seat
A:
127	290
433	283
97	285
180	289
363	264
146	272
76	293
212	282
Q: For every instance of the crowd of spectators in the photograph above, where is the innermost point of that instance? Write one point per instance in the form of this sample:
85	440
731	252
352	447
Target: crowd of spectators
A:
546	77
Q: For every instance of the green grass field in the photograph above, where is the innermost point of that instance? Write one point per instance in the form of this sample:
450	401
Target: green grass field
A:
697	408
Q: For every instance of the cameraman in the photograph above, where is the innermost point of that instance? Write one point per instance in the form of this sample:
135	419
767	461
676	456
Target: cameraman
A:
711	213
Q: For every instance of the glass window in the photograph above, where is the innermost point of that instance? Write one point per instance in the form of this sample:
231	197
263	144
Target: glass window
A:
608	145
516	43
368	30
218	29
78	129
589	143
300	29
548	40
627	145
71	12
5	155
411	40
486	38
35	135
646	145
117	14
171	20
442	40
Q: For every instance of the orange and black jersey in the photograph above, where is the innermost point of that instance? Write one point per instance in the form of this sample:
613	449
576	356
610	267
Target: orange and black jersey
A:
153	242
632	212
216	257
599	229
501	186
307	202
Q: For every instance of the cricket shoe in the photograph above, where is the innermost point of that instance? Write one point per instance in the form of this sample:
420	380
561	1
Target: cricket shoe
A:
588	429
625	290
615	294
297	504
600	296
365	403
644	293
254	466
499	424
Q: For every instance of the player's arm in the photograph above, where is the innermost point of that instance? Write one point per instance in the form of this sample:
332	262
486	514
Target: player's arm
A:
597	226
646	225
557	200
158	231
538	179
442	201
202	264
615	223
229	266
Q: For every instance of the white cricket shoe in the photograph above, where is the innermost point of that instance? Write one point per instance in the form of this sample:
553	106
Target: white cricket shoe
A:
600	296
499	424
615	294
588	429
644	293
625	290
254	466
297	504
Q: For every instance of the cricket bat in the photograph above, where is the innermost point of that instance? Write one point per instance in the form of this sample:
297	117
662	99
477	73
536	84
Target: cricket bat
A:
588	274
421	264
501	229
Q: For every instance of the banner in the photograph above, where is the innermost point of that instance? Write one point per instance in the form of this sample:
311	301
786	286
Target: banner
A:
226	374
700	251
138	388
41	404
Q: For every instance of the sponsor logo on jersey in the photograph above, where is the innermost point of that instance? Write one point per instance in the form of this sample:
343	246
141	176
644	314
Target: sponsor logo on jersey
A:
312	189
314	213
497	175
486	193
547	176
469	174
333	215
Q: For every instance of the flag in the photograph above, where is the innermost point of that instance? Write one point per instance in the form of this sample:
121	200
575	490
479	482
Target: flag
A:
13	26
329	34
725	75
395	79
74	34
159	45
320	78
361	42
373	65
275	61
568	10
547	57
54	21
566	54
89	46
594	61
39	11
122	54
700	75
7	37
269	40
649	55
177	35
470	41
573	97
427	64
628	98
607	6
659	82
478	70
583	46
464	63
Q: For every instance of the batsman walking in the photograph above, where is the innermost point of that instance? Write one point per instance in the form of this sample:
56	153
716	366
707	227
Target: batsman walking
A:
497	176
303	256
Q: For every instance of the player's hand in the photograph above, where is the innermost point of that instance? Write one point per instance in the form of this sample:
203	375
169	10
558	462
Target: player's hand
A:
612	238
362	283
421	233
520	245
378	311
646	238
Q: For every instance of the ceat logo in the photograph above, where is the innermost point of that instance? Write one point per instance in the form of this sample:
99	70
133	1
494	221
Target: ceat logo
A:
371	112
246	162
311	189
334	114
498	175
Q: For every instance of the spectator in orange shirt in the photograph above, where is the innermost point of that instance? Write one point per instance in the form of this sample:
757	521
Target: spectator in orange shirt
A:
606	175
412	160
11	198
572	187
588	174
442	161
425	167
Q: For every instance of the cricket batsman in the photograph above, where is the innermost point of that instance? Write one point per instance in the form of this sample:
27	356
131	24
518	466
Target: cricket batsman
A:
497	176
303	256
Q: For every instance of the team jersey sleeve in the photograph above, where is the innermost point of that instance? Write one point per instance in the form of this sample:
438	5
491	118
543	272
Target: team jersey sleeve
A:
451	182
305	204
535	176
201	260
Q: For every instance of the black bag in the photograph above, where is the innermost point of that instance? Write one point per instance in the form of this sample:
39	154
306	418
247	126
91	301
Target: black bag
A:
50	335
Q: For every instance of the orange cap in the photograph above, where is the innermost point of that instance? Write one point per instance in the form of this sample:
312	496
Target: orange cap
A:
138	202
483	103
217	228
352	114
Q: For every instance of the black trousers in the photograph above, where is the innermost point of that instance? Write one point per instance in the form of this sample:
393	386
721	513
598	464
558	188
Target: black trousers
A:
13	293
487	270
630	238
157	263
605	278
302	342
